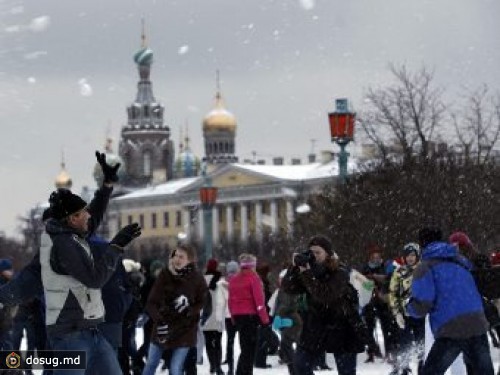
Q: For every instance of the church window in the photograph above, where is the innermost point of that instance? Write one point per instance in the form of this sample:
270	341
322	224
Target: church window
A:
141	220
130	219
153	220
166	219
178	218
146	111
215	148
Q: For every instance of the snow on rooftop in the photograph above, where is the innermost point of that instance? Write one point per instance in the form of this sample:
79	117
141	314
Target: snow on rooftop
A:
170	187
297	172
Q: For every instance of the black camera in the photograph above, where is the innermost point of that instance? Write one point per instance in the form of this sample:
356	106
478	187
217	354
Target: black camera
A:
303	258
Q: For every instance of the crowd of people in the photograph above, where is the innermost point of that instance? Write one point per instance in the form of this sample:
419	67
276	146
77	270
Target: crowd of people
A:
80	293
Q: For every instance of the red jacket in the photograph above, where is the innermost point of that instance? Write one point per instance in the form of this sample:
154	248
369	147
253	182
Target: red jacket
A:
246	295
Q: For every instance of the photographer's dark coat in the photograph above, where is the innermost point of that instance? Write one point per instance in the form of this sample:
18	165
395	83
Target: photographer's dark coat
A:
332	320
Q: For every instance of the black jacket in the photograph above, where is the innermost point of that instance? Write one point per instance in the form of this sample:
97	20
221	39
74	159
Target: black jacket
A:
27	284
331	322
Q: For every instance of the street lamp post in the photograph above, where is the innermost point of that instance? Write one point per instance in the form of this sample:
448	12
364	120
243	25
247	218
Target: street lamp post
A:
342	132
208	197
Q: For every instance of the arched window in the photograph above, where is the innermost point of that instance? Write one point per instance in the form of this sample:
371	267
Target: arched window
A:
146	163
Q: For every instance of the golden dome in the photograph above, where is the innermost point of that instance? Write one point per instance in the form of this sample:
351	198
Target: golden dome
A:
63	180
219	118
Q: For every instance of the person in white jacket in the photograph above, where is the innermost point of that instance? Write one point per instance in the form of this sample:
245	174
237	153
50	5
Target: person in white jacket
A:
214	325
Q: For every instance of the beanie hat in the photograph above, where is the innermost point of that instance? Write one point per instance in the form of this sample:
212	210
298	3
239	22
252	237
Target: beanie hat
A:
460	239
232	267
495	258
428	235
5	264
373	249
64	203
247	260
322	242
212	265
411	247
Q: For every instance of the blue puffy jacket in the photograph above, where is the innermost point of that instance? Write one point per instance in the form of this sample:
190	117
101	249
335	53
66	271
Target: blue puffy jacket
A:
443	286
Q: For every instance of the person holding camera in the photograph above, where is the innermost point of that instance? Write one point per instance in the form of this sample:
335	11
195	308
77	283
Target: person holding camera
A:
332	322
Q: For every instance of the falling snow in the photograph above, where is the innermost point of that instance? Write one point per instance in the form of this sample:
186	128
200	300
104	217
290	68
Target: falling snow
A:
183	49
85	88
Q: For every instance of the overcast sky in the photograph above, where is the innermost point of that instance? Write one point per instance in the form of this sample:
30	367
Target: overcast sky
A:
67	74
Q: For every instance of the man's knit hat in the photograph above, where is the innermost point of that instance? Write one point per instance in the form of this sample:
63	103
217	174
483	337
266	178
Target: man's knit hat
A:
212	265
322	242
460	239
64	203
232	267
428	235
410	248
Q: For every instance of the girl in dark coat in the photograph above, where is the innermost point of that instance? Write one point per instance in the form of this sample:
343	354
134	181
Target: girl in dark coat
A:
332	322
174	305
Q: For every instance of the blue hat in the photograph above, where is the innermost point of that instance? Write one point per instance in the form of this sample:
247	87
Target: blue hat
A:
5	264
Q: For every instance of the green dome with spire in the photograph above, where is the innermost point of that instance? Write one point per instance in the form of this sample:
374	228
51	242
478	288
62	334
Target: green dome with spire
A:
144	56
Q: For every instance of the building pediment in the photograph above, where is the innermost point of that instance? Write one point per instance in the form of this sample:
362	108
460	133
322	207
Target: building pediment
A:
230	176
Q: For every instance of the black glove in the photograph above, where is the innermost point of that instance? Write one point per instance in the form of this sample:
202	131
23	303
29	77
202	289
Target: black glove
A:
162	332
126	235
108	171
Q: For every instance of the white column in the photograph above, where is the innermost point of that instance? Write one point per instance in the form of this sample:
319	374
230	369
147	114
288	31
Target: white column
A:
274	216
215	224
258	220
229	221
187	222
200	224
289	217
244	221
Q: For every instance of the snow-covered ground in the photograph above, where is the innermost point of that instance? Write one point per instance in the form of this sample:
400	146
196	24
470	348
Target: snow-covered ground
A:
380	367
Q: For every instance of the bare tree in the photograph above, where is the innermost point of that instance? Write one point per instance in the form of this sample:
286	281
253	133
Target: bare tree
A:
477	124
388	204
407	112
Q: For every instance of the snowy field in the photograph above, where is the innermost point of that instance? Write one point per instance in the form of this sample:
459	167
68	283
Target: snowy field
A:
379	367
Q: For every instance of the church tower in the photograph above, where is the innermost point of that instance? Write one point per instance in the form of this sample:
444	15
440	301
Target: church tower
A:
219	132
145	144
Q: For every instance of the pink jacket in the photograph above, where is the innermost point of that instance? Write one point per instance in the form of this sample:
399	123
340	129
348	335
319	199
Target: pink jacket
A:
246	295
